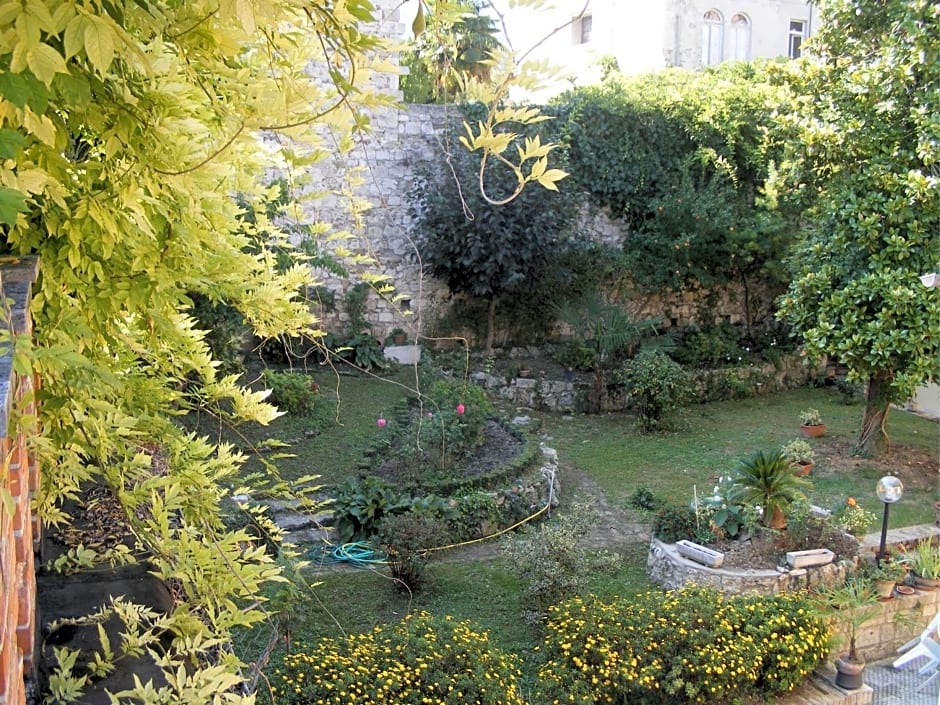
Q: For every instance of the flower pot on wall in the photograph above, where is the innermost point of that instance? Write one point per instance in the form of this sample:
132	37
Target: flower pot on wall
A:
849	674
929	584
813	431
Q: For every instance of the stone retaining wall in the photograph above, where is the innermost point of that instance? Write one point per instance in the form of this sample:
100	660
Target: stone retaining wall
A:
570	396
897	621
19	478
671	571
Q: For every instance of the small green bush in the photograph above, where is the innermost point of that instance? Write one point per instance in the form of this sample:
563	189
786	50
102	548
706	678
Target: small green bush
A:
406	538
294	393
687	646
709	347
549	560
673	522
422	659
452	426
658	387
643	498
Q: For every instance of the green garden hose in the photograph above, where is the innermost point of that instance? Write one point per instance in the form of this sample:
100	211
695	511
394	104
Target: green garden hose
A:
359	553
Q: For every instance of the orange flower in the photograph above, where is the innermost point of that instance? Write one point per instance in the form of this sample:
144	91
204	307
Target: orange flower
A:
850	501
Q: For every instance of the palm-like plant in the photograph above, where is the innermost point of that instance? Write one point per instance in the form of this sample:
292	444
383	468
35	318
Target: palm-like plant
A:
609	331
850	605
767	480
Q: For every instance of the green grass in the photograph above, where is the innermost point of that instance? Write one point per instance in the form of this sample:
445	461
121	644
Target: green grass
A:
329	442
619	459
607	448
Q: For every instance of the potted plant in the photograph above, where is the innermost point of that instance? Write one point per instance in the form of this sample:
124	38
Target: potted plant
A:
800	454
849	606
924	561
769	482
398	336
886	576
811	424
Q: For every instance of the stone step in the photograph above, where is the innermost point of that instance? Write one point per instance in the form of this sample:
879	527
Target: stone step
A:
904	536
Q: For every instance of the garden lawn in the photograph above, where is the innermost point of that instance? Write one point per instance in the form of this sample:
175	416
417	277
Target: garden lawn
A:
673	466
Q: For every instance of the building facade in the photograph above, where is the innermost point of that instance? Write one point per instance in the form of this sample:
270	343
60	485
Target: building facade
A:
656	34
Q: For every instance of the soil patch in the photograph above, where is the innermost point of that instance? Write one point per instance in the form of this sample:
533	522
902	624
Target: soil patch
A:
916	468
498	448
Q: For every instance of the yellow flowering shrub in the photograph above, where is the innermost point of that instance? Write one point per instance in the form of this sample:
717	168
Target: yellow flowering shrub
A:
687	646
421	660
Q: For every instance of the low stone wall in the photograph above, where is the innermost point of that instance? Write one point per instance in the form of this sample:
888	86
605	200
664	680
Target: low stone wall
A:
669	570
708	385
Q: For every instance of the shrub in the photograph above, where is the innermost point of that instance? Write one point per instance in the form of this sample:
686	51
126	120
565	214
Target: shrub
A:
360	505
852	518
406	538
687	646
673	522
657	386
419	660
549	560
643	498
294	393
709	347
455	413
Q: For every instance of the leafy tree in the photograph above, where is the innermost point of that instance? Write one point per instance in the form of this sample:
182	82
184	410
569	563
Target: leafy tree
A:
682	158
127	129
865	175
481	248
454	49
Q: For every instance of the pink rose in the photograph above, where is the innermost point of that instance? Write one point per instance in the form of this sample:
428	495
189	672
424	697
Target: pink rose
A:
460	409
381	423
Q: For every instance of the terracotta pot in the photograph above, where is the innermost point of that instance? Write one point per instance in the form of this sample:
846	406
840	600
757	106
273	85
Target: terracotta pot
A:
849	674
802	469
399	339
813	431
884	589
926	583
777	519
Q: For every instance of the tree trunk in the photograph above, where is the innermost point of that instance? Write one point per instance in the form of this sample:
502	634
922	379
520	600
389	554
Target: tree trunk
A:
873	439
490	326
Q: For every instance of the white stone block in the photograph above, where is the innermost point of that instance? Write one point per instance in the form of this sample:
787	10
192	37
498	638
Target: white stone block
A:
700	554
403	354
805	559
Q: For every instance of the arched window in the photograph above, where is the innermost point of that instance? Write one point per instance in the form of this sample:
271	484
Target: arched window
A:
740	37
712	37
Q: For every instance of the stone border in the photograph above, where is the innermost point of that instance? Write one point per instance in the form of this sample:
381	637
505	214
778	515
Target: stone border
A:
668	569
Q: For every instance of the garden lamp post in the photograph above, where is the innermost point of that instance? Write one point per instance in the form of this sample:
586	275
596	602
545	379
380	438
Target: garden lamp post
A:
889	491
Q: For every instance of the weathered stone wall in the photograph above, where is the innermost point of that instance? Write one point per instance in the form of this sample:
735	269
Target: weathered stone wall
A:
570	396
19	478
380	170
670	570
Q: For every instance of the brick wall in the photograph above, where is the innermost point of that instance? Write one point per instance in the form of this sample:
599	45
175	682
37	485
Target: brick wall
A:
19	474
896	622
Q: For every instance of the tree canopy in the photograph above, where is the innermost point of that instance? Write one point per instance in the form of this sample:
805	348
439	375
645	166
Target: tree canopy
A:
134	136
864	173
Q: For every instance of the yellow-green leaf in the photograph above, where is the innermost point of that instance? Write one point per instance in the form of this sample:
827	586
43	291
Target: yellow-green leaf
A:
45	62
99	43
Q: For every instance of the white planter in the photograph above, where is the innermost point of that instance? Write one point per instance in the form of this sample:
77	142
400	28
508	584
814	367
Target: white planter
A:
805	559
700	554
403	354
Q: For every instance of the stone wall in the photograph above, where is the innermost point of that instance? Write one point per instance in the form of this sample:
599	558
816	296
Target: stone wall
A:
19	478
380	170
671	571
897	621
570	396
